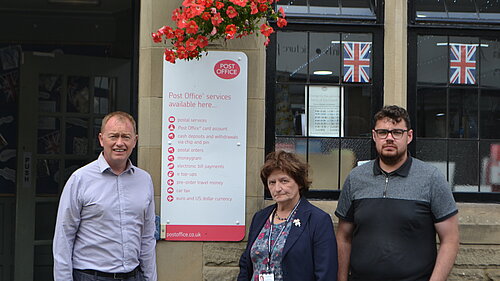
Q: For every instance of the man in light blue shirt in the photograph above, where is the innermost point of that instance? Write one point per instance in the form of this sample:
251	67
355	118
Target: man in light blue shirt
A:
106	219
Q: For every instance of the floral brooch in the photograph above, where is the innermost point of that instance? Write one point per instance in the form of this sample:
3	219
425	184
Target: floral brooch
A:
296	222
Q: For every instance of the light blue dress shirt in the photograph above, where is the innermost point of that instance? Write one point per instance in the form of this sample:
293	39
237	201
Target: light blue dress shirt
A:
105	222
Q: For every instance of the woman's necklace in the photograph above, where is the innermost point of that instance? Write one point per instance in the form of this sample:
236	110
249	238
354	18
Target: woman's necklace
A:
280	218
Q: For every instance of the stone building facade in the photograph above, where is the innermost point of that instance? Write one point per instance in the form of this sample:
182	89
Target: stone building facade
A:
479	256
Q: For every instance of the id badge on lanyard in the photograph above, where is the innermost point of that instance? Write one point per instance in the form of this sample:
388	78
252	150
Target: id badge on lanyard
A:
266	277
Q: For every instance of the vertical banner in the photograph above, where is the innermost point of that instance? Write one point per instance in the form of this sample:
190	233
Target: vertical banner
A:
204	148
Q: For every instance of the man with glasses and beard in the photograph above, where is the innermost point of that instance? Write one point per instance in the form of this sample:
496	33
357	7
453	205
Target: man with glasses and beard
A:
390	210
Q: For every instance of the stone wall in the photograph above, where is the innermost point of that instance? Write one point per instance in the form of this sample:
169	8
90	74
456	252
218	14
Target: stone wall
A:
478	258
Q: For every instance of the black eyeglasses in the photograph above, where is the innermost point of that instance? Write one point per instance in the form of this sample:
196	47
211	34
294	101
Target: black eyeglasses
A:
396	133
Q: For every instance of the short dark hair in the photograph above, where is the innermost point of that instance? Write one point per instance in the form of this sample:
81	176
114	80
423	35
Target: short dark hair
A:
393	112
288	163
121	116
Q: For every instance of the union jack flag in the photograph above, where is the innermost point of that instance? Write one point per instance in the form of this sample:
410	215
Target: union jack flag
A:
463	63
357	61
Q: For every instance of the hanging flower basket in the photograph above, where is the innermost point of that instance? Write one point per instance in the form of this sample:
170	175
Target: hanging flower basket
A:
199	22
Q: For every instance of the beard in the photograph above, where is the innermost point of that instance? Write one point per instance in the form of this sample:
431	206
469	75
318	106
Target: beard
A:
392	158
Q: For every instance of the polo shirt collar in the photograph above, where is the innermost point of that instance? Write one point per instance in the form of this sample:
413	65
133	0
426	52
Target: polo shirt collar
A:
103	165
402	171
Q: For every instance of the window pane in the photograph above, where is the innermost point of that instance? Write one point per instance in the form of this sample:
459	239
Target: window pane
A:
291	59
462	9
49	93
462	167
78	94
463	113
324	57
49	135
77	136
357	111
45	220
353	151
103	92
323	158
490	114
290	109
328	8
490	166
434	153
295	145
358	7
293	6
432	59
430	8
490	61
324	7
43	263
431	113
488	10
48	177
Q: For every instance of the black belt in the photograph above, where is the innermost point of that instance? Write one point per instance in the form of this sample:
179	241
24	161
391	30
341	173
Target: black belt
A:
111	275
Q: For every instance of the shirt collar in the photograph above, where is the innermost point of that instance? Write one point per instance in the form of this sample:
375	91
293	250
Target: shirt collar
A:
103	165
402	171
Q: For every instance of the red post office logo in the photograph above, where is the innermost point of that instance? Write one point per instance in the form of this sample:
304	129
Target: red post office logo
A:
227	69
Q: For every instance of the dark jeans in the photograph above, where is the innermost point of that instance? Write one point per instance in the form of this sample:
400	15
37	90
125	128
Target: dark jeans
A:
81	276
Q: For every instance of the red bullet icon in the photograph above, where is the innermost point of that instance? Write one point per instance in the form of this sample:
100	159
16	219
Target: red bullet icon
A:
171	127
171	136
170	166
170	198
171	119
170	158
170	150
170	174
170	190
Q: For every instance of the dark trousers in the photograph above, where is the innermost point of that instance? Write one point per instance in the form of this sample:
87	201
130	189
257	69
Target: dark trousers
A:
82	276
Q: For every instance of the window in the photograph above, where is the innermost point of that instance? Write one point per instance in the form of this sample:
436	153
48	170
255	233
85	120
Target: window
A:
324	83
472	11
454	94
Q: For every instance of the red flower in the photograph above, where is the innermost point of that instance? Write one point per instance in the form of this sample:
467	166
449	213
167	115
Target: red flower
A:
182	23
191	44
217	19
194	54
241	3
205	16
170	56
253	8
179	34
192	27
156	37
194	10
262	8
187	3
182	53
231	31
231	12
167	31
266	30
281	22
209	3
176	14
261	235
267	41
202	41
282	12
219	5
